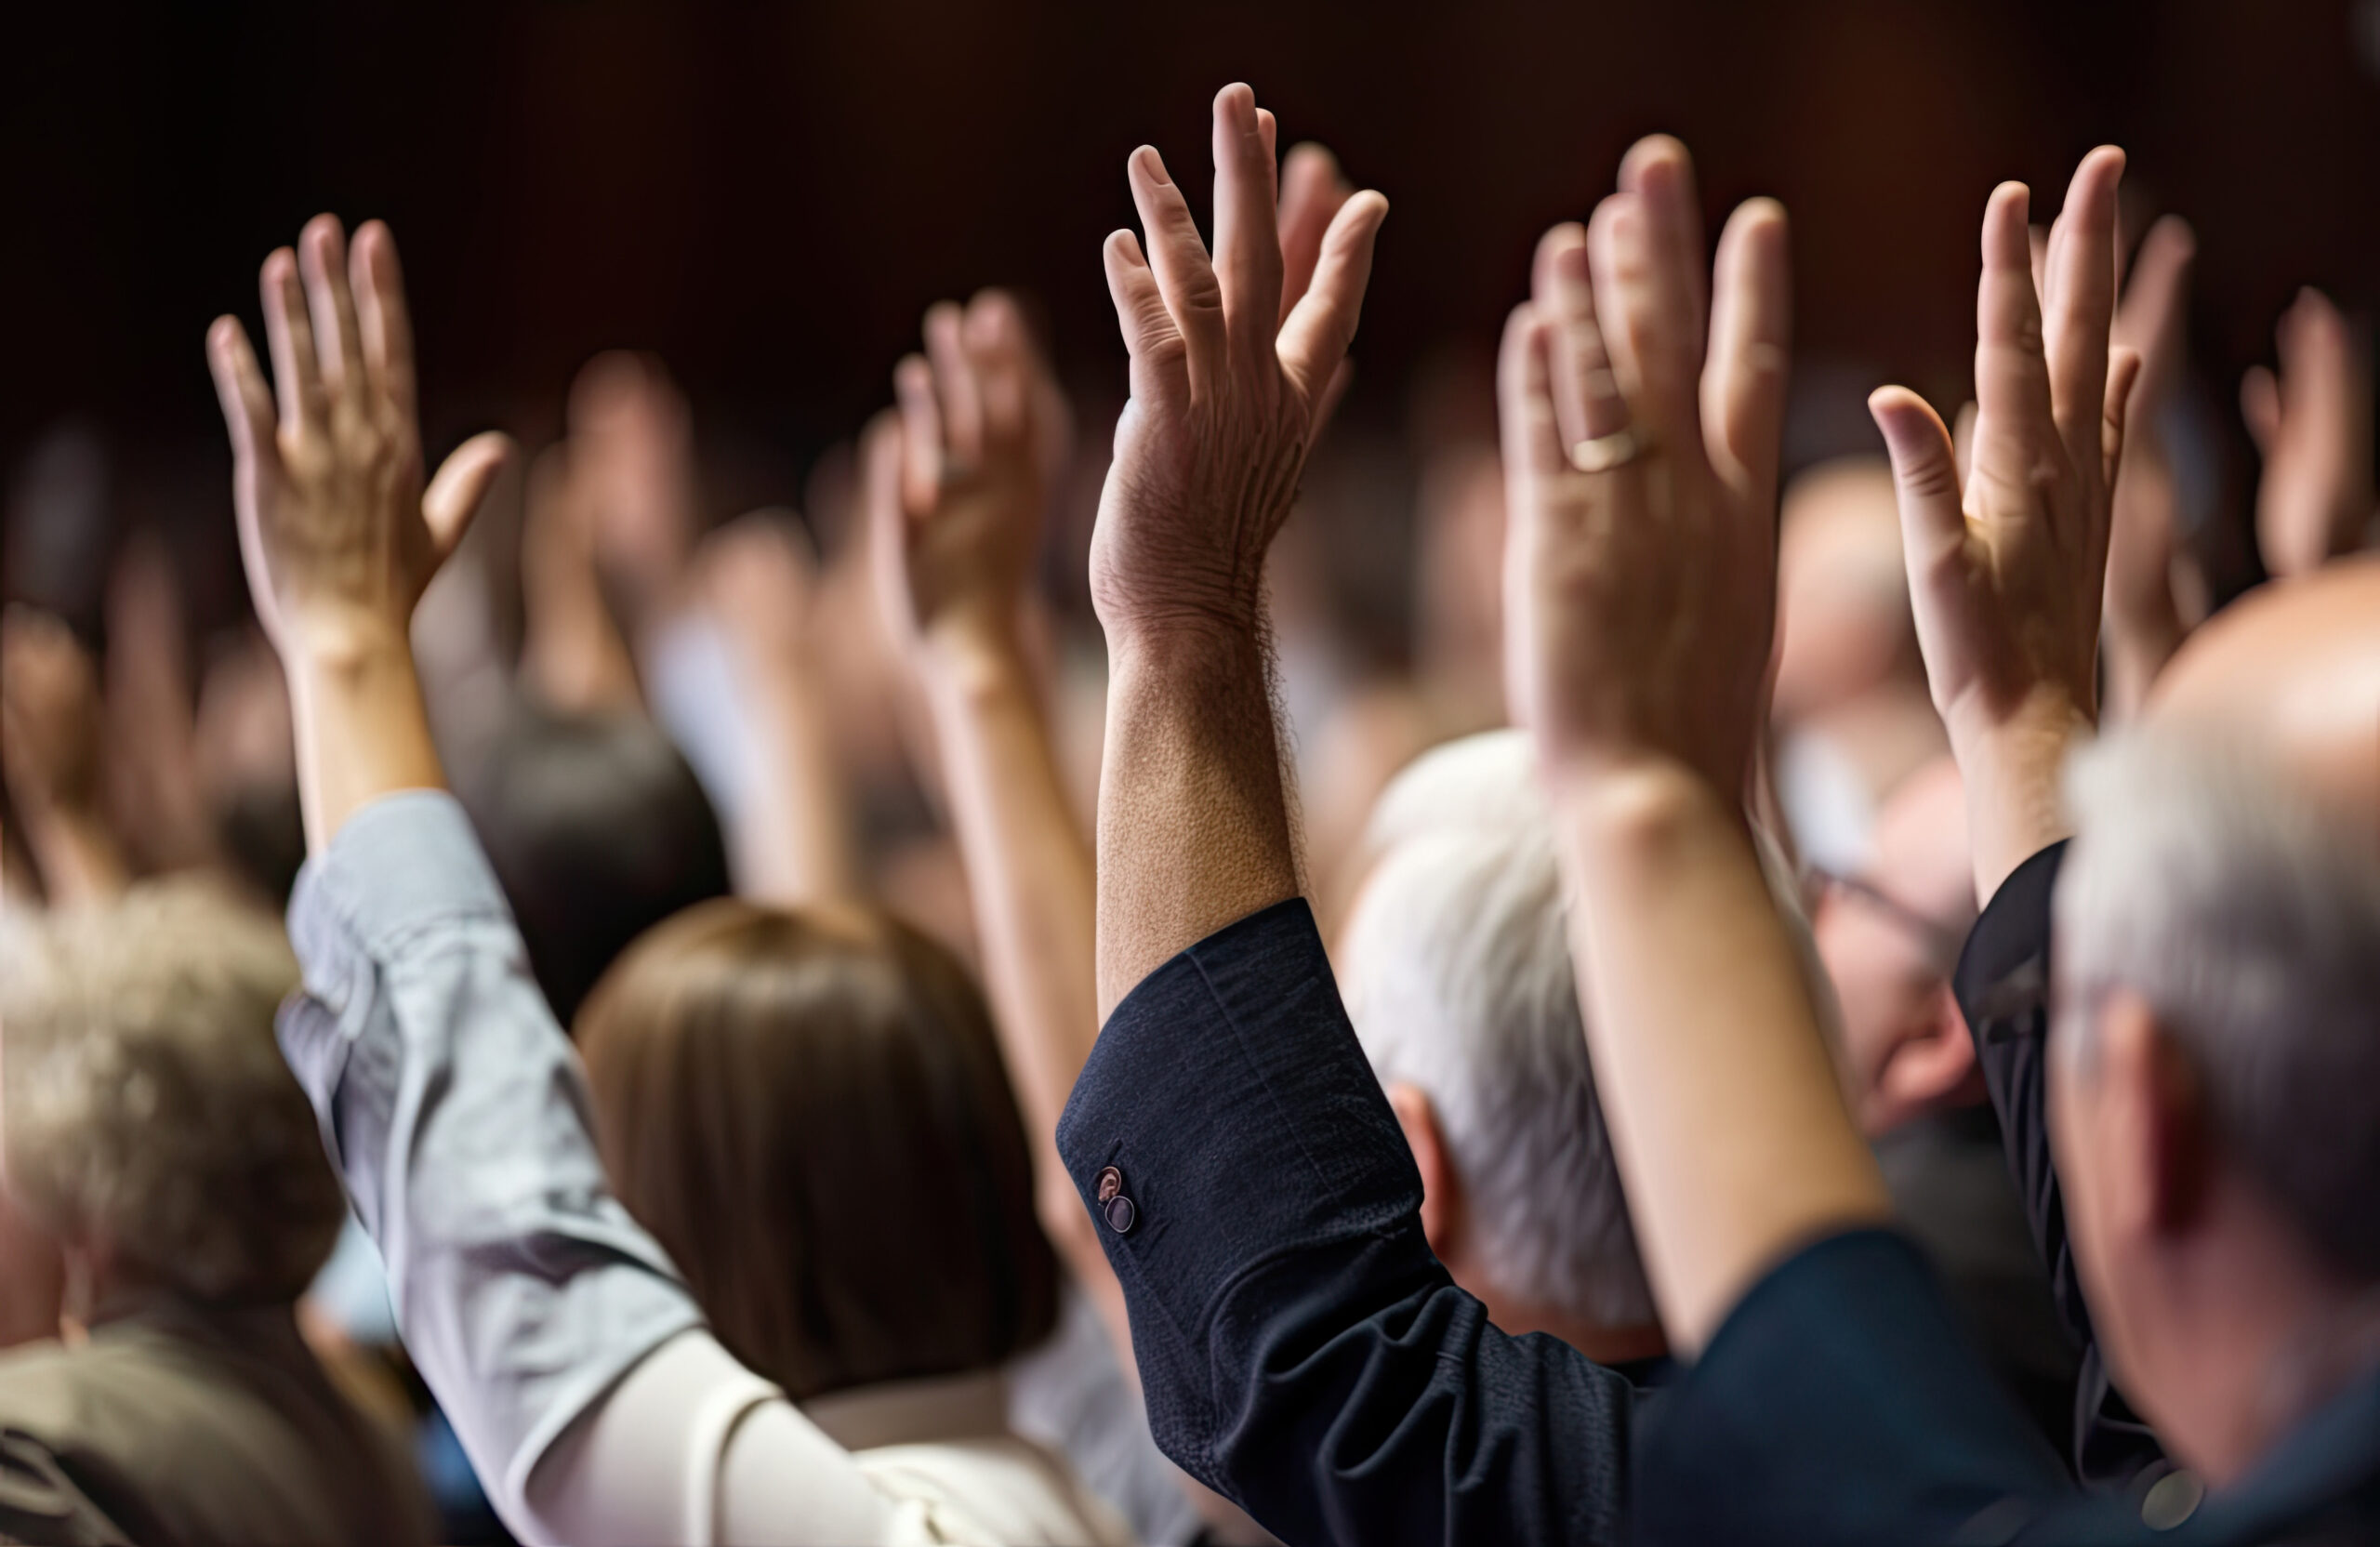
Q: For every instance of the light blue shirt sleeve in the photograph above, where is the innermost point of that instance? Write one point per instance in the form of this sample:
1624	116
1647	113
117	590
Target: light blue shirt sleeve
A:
455	1111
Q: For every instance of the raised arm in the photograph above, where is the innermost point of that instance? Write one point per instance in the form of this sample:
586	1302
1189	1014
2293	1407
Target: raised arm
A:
1230	370
50	726
2006	574
337	529
2311	421
956	486
1640	578
552	1327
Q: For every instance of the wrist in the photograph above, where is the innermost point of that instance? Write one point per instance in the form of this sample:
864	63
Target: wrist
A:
333	641
971	650
2013	767
1631	796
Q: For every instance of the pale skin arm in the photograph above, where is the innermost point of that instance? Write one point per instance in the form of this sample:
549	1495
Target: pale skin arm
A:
957	484
793	845
1230	368
2007	573
1638	603
339	533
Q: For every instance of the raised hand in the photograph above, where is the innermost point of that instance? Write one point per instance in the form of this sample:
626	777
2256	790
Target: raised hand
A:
2312	425
983	431
2144	622
2008	575
339	532
632	456
1640	460
1232	364
1640	413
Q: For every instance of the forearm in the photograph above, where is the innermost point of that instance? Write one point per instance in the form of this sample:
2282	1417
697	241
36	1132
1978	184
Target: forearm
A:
77	854
1028	871
1193	820
360	726
795	844
2012	771
1720	1094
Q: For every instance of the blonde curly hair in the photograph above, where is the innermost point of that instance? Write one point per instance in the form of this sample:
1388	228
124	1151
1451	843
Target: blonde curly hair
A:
148	1110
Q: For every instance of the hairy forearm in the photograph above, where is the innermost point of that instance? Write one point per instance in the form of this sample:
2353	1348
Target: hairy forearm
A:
362	729
1720	1094
1194	822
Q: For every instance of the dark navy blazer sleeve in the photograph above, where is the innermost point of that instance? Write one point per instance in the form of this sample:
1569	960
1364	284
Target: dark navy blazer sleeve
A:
2003	986
1302	1351
1840	1403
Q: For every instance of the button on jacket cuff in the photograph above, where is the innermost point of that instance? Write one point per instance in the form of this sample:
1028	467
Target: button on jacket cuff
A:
1300	1348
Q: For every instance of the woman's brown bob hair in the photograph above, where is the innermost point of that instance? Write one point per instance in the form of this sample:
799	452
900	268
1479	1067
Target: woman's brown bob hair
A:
809	1110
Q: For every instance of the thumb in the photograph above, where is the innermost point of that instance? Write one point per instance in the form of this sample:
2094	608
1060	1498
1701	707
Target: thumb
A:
463	480
1926	474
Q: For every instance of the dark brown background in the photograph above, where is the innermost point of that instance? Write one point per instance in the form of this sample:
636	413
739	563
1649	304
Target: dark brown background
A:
769	193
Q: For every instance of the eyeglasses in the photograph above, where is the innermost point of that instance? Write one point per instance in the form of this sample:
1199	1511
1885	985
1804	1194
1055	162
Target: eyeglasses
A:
1940	942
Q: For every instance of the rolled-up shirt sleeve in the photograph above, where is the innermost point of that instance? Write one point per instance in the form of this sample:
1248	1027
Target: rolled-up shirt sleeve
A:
453	1109
1301	1349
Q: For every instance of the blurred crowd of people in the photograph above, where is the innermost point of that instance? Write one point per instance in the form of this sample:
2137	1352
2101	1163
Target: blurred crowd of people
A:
1698	990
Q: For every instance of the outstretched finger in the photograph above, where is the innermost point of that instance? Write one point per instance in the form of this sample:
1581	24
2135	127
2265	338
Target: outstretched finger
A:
297	370
1248	238
461	484
2123	382
1925	479
2152	317
1743	384
1313	341
1534	443
922	447
381	310
1001	355
1178	259
322	259
239	385
1312	190
2080	305
1160	355
953	382
2014	421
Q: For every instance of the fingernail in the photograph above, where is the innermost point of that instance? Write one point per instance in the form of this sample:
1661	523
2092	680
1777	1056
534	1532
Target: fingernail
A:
1152	165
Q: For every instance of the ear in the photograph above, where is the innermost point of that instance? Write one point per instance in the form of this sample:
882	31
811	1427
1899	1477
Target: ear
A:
2162	1101
1441	1192
1933	1067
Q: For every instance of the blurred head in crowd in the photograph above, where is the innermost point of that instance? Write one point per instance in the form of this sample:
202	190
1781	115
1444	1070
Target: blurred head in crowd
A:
1890	936
1851	704
810	1111
1844	622
2219	959
152	1125
1456	967
597	830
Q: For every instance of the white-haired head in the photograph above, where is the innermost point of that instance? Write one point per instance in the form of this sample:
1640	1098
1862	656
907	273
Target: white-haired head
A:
2245	914
1455	967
